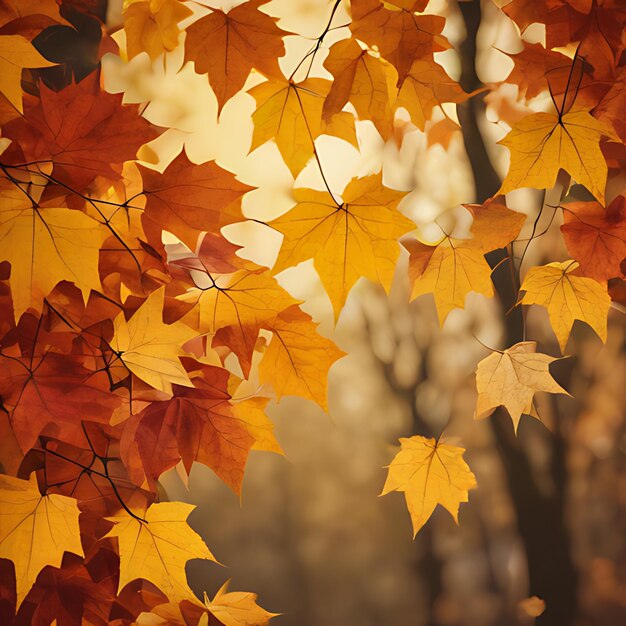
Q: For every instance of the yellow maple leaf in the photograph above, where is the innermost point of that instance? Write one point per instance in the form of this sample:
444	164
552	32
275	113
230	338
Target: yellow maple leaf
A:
17	53
157	547
298	358
449	271
244	299
511	378
46	246
567	297
429	473
453	267
149	348
237	608
251	413
291	114
152	26
35	530
346	241
543	143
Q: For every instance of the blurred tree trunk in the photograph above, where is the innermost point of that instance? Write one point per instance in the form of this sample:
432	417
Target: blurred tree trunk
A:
540	512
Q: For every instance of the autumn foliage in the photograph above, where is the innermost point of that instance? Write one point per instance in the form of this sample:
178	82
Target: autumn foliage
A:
128	320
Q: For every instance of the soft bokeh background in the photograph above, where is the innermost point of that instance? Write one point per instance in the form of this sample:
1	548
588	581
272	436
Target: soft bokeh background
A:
311	536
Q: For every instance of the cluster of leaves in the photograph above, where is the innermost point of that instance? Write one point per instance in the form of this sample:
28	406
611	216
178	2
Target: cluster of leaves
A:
117	349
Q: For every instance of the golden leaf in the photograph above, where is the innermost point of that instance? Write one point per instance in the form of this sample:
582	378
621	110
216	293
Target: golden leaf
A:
35	530
429	473
567	297
158	547
149	348
511	378
348	240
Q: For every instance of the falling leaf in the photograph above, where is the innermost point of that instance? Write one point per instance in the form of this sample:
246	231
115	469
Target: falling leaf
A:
532	607
237	608
157	547
149	348
35	530
511	378
429	473
227	45
596	237
346	241
543	143
298	358
16	53
567	297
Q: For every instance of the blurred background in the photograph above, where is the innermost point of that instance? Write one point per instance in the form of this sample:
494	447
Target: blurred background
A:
310	535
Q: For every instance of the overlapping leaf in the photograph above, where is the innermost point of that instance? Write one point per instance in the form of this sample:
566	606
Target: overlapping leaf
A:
346	241
596	237
543	143
149	348
35	530
157	547
291	114
227	45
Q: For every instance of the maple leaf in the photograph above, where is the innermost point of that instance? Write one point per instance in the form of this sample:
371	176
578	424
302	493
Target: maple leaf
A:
251	413
157	547
82	129
567	297
362	79
612	105
152	26
197	424
188	199
542	143
451	268
561	18
596	237
53	392
149	348
429	473
69	595
235	306
226	45
237	608
298	359
346	241
400	35
511	378
16	53
291	114
35	530
46	246
426	86
538	69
